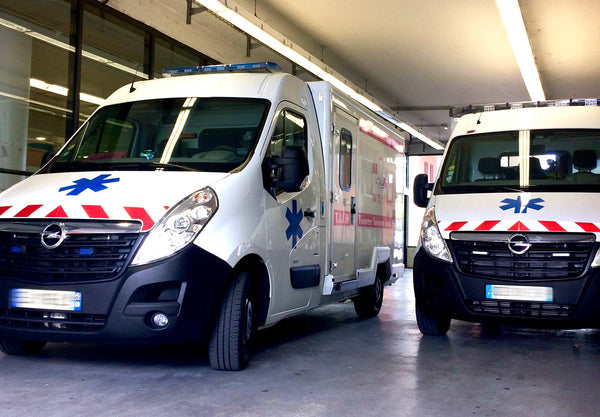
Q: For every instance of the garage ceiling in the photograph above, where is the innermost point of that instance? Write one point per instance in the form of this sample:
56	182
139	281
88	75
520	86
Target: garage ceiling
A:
421	57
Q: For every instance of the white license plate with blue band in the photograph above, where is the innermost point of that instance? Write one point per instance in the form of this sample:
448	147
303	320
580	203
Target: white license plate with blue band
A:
45	299
519	293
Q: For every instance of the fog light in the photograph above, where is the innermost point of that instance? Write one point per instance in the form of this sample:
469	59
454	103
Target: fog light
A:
160	320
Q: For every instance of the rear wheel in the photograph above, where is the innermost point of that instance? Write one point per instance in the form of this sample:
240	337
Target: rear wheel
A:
432	324
230	343
368	302
20	347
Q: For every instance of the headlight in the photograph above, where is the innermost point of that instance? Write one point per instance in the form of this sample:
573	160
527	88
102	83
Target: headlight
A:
431	239
596	261
178	227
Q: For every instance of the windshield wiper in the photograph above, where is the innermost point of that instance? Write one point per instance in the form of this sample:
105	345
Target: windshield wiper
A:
75	166
488	188
116	166
152	165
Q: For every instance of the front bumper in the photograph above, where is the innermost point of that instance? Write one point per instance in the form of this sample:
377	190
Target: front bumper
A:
441	288
187	287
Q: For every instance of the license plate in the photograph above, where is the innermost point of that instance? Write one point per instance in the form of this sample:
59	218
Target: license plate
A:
45	299
518	293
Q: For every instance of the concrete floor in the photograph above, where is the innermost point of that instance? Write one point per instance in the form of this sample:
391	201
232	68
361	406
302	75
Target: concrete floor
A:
324	363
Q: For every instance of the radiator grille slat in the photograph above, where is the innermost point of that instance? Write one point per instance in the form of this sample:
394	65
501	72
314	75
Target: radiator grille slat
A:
521	309
35	319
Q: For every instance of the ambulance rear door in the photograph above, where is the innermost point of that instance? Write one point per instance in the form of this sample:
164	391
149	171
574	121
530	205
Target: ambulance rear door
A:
343	195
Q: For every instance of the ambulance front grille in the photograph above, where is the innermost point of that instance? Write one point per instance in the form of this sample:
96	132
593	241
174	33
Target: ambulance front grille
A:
550	257
81	257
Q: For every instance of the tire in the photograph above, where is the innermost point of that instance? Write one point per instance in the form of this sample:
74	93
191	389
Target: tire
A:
368	303
432	324
230	343
20	347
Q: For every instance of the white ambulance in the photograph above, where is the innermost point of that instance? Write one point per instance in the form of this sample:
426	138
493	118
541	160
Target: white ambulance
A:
512	228
201	208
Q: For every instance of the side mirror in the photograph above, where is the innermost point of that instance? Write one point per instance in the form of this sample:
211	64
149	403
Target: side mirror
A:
286	172
421	188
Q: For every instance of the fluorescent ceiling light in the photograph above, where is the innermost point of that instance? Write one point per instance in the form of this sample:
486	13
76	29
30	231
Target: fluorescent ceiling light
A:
404	126
519	41
258	30
91	99
63	91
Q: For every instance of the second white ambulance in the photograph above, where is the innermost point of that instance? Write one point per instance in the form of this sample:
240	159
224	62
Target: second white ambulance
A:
512	228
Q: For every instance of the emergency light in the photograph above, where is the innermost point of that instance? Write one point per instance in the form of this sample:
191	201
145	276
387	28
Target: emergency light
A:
209	69
477	108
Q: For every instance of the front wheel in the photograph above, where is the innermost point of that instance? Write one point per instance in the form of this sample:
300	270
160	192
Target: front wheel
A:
368	303
20	347
432	324
230	342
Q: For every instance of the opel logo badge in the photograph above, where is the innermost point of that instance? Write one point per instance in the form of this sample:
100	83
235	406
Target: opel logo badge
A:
518	244
53	235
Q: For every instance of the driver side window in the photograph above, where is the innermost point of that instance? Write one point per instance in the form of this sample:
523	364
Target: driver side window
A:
290	130
286	163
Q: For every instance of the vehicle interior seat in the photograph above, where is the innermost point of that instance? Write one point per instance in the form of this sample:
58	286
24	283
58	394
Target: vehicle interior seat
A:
489	167
584	160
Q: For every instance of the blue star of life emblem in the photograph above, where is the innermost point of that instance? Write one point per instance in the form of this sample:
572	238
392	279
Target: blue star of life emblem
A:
294	217
510	203
94	184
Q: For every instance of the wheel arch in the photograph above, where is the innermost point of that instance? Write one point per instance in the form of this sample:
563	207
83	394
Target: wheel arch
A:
260	284
384	270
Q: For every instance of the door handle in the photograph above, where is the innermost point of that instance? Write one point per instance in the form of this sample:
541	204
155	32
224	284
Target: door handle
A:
309	213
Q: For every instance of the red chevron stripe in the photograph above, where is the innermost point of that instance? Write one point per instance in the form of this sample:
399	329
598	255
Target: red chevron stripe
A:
95	212
519	227
552	226
588	227
487	225
3	209
139	213
28	210
455	226
57	212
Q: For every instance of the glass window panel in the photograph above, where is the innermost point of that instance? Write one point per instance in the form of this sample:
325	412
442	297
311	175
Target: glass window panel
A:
169	55
204	134
289	131
113	55
345	158
33	71
544	160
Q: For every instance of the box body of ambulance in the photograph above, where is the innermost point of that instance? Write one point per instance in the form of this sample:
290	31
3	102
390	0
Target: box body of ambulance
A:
512	226
200	208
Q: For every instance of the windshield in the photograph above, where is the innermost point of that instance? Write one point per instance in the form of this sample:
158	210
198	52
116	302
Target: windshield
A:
210	134
544	160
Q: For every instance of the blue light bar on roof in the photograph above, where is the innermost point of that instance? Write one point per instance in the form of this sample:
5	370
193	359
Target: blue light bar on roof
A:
477	108
210	69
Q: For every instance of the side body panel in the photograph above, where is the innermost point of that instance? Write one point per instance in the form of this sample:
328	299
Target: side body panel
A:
365	220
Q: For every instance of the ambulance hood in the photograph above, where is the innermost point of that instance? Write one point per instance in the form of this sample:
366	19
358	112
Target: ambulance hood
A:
518	212
114	195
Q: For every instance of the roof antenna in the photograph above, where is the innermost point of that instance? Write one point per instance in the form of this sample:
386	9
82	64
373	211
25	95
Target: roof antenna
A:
132	88
479	118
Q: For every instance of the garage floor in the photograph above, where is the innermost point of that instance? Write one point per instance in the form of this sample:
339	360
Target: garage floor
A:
324	363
